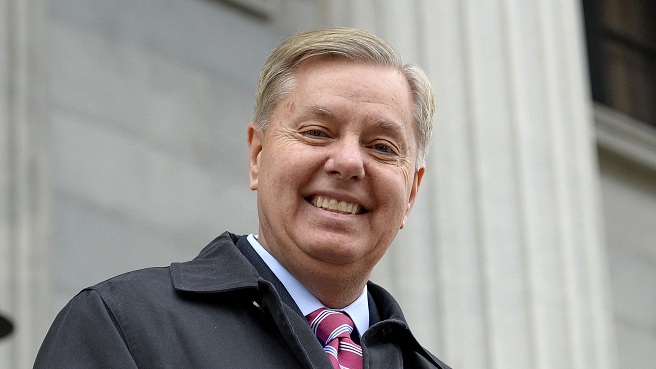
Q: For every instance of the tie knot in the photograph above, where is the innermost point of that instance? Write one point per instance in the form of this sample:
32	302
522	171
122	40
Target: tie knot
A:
330	324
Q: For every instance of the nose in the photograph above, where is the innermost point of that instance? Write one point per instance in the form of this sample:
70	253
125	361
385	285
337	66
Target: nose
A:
346	160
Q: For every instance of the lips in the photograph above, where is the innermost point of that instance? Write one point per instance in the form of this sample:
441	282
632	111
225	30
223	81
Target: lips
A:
334	205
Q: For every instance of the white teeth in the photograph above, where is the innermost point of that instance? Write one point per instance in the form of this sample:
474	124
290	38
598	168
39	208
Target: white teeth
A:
334	205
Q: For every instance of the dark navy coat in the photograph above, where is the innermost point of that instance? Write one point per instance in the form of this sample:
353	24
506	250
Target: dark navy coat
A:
215	311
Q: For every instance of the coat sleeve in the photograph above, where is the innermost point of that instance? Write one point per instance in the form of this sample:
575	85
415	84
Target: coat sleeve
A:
84	335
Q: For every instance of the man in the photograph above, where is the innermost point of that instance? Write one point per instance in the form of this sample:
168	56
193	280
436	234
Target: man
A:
336	153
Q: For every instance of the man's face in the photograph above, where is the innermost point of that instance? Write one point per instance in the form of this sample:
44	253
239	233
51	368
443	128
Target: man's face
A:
335	170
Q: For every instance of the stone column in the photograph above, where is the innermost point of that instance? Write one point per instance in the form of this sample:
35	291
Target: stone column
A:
24	184
503	264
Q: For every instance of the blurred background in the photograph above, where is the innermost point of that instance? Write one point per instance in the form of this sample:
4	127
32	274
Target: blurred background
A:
533	242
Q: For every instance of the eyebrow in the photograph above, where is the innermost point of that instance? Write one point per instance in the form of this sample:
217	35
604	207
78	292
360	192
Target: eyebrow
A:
391	125
323	112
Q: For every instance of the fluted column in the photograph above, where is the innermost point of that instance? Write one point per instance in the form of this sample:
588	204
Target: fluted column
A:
502	265
24	208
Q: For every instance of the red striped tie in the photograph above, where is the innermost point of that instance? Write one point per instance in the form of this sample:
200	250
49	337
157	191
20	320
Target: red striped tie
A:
333	329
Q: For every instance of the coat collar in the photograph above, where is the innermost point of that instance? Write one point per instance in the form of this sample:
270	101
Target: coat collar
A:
219	267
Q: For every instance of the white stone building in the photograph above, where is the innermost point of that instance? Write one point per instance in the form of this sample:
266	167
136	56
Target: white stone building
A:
533	242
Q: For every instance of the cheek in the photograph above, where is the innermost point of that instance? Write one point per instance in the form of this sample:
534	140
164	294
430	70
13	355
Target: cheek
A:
394	198
394	189
273	164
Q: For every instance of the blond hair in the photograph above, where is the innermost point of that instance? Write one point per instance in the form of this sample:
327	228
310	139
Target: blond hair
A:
277	76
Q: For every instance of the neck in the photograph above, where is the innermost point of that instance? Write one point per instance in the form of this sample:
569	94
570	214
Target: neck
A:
336	289
335	285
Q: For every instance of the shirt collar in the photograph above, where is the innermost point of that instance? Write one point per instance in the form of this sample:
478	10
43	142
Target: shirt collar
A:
304	299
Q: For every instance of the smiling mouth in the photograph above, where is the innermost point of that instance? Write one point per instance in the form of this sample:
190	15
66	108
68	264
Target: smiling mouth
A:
336	206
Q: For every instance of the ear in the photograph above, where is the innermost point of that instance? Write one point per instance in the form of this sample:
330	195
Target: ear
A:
416	182
254	149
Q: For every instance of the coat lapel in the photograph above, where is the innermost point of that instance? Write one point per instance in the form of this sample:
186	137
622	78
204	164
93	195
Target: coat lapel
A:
221	267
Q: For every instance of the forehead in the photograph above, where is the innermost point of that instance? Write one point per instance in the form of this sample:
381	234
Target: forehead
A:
325	85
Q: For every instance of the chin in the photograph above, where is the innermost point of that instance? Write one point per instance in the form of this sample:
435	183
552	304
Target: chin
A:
345	252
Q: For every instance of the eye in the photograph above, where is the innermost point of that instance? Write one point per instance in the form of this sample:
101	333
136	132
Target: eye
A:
314	133
384	148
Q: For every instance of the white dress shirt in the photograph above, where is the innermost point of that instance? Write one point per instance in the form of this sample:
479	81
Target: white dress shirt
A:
304	299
